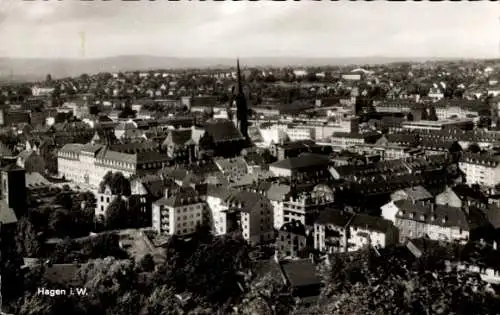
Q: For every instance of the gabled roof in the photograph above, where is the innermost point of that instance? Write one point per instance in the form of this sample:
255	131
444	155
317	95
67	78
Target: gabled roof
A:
223	130
183	196
416	193
429	213
244	200
372	223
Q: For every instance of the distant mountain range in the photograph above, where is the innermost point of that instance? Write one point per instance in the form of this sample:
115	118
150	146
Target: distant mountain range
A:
35	69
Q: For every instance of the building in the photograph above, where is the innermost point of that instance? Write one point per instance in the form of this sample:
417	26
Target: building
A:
304	207
179	213
179	145
291	240
437	222
88	163
220	137
103	200
240	99
330	231
482	169
414	194
466	124
215	198
303	167
462	196
249	212
233	169
285	150
366	230
13	188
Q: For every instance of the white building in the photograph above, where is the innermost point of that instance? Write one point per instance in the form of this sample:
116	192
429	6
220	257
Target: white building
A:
482	169
248	211
179	213
437	222
103	200
88	163
338	231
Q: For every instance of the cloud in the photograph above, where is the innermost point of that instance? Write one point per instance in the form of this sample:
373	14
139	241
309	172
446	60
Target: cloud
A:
197	29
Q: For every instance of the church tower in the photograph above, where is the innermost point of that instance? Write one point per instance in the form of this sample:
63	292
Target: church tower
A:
241	104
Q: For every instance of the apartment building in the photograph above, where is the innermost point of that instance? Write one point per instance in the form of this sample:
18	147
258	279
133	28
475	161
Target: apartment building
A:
437	222
482	169
179	213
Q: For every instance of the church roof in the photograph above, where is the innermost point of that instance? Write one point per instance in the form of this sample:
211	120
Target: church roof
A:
223	130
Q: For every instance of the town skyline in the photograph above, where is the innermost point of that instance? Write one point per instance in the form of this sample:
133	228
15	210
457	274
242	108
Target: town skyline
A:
79	30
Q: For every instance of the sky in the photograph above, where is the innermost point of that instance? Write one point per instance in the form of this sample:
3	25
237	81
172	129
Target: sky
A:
77	29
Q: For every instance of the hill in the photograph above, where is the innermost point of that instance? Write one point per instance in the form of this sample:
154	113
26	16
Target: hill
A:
16	68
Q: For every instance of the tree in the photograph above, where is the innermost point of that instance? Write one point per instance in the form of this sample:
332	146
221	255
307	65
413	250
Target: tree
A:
108	279
117	214
147	263
117	182
29	241
161	301
60	223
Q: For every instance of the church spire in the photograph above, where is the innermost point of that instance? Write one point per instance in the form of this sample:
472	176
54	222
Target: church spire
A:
241	104
238	73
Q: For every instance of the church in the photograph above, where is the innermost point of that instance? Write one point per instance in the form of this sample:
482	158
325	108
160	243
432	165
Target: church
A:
228	137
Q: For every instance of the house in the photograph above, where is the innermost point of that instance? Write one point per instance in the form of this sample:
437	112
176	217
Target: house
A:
305	167
103	200
179	145
291	240
250	212
178	213
330	231
461	196
437	222
215	197
305	206
366	230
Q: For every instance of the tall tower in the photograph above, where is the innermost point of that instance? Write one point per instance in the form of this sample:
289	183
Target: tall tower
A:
241	104
13	181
